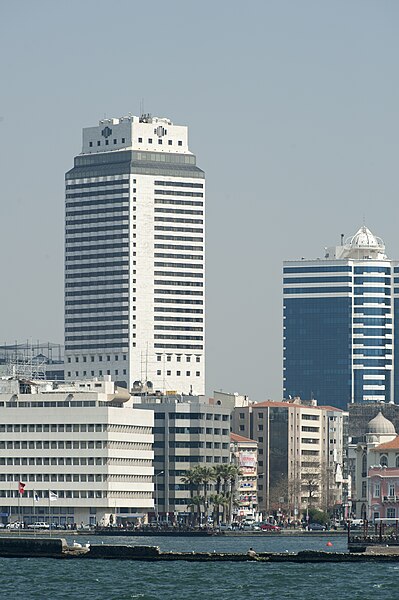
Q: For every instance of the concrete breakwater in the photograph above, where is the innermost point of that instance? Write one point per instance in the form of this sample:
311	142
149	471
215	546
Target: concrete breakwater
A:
58	548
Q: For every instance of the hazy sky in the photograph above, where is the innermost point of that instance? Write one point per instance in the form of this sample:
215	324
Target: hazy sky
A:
292	108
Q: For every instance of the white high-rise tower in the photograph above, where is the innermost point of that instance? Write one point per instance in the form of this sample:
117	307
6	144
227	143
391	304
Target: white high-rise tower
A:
134	257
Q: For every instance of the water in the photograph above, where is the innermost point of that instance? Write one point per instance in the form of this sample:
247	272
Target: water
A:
47	579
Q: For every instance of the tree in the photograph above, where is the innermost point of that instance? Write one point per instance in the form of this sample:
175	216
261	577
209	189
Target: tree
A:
192	478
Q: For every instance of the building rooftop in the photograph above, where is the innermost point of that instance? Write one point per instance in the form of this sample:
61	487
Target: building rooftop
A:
240	438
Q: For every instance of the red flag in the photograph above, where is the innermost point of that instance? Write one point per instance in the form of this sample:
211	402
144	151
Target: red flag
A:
21	487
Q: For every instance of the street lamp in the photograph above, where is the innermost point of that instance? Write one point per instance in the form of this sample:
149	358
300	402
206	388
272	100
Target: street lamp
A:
156	494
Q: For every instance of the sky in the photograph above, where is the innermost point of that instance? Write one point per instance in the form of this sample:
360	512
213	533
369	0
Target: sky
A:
292	109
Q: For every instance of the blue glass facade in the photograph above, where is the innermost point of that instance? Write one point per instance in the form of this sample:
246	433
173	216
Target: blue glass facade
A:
339	340
318	347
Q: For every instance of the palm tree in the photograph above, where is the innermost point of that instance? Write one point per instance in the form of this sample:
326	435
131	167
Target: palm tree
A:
206	475
192	479
217	501
197	502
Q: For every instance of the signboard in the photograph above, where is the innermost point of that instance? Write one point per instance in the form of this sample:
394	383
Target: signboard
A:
247	459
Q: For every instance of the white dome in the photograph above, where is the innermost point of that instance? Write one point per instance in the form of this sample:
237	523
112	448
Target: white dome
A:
381	425
363	238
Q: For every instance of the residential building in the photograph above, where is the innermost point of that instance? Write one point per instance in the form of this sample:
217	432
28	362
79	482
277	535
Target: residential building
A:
82	445
134	258
300	453
339	324
244	454
188	431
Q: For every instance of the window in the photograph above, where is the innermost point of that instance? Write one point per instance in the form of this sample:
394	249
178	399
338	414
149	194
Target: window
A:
150	140
160	141
198	358
158	372
391	489
178	373
92	358
197	373
169	358
91	144
100	358
168	372
106	142
69	359
188	358
170	142
108	358
140	140
180	143
377	490
115	142
159	358
99	143
123	140
391	513
178	358
187	373
383	460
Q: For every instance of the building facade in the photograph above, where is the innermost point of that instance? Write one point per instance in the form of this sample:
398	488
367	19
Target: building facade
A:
188	432
339	324
134	257
244	454
377	471
81	445
300	454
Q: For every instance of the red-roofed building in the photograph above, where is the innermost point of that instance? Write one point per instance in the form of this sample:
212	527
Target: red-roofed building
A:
244	453
300	454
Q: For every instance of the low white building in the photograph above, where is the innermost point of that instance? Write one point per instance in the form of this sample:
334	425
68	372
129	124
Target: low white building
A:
81	449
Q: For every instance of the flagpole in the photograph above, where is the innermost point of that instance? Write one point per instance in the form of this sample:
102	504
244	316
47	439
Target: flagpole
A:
19	512
34	512
49	509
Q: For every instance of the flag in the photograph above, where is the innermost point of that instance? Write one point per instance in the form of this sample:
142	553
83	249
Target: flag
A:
53	496
21	487
36	496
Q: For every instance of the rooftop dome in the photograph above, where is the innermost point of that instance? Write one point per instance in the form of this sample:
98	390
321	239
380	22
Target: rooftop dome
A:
363	238
381	425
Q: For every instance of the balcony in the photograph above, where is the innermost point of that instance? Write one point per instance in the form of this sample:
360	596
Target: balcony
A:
390	499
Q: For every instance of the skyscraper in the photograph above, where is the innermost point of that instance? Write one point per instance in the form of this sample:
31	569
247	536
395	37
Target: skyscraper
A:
134	257
339	324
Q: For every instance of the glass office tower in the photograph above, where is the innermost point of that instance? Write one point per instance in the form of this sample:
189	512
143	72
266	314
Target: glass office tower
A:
339	324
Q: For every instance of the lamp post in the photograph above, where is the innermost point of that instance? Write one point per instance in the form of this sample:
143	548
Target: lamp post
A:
156	494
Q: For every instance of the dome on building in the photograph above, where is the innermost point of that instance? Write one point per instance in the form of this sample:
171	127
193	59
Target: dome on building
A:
381	425
364	239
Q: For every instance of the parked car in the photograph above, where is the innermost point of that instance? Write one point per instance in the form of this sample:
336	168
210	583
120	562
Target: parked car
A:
270	527
316	527
39	525
15	525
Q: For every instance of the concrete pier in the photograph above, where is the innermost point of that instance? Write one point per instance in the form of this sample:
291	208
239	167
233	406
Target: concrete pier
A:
58	548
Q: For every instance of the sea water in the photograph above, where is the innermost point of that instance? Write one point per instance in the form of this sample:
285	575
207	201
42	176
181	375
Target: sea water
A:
49	579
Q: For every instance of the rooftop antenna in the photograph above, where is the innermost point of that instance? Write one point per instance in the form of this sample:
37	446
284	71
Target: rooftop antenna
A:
342	239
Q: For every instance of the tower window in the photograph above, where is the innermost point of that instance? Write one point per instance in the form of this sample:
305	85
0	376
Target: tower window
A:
150	140
140	140
91	144
170	142
159	141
